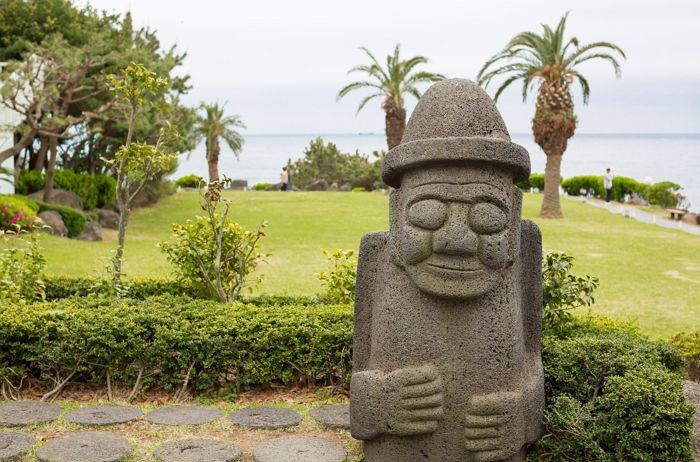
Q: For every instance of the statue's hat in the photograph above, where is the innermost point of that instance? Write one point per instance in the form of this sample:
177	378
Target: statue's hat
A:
455	122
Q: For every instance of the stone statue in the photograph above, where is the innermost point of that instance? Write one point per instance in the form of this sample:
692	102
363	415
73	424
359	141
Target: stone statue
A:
448	307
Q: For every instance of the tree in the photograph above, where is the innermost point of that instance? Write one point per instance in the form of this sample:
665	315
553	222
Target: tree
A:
212	127
549	62
392	83
135	163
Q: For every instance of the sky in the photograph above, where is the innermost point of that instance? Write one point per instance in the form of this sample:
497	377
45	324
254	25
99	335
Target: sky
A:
280	64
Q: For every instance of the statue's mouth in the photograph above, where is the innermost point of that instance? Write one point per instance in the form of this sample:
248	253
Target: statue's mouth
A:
456	270
453	264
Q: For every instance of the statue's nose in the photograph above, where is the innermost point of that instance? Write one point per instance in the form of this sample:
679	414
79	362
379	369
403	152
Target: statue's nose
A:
455	237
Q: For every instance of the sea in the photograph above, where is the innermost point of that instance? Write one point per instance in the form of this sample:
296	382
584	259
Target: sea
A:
645	157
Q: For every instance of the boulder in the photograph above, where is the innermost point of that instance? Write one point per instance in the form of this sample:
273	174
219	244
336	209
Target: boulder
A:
318	185
333	187
111	206
60	197
274	187
108	218
92	232
691	218
345	187
54	221
636	200
239	185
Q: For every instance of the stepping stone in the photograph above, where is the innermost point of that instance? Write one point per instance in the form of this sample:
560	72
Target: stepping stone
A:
183	415
85	447
104	415
198	450
16	413
268	418
13	445
299	449
332	415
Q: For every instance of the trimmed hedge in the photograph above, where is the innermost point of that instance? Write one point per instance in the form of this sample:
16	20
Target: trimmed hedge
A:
575	184
73	219
94	190
536	180
189	181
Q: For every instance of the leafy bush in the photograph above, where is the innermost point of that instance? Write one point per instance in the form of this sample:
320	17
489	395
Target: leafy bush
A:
21	265
190	181
73	219
665	193
562	291
261	186
536	180
623	186
155	342
17	212
214	251
689	346
339	280
93	190
323	161
590	183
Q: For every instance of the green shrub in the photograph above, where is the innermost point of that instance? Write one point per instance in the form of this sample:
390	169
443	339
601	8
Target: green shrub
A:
339	280
190	181
689	346
623	186
17	212
30	181
665	194
536	180
73	219
21	265
163	337
93	190
591	183
261	186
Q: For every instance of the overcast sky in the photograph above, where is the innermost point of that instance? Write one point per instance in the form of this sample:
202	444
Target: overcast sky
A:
280	64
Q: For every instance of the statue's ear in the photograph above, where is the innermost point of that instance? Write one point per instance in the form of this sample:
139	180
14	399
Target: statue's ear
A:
514	234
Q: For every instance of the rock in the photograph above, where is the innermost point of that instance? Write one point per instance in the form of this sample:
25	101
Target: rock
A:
268	418
198	450
692	395
333	187
636	200
448	301
54	221
345	187
14	445
92	232
111	206
183	415
108	218
85	447
299	449
690	218
239	185
318	185
60	197
17	413
332	415
274	187
104	415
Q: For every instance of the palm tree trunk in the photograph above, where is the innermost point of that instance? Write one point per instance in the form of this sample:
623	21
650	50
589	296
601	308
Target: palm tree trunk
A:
213	160
395	123
551	207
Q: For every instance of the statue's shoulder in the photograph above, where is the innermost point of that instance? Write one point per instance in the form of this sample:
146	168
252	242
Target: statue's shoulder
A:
373	242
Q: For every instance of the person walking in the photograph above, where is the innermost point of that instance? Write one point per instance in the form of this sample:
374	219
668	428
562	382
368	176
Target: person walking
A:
607	184
284	178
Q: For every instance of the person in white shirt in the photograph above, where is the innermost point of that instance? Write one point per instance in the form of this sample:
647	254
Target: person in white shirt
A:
607	184
284	178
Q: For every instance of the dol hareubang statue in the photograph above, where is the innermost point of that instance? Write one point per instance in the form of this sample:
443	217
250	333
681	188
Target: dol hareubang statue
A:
448	306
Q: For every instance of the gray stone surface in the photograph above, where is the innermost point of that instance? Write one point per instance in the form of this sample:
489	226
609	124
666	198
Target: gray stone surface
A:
318	185
92	232
103	415
266	417
183	415
108	218
17	413
85	447
299	449
13	445
60	197
332	415
54	221
692	394
447	364
198	450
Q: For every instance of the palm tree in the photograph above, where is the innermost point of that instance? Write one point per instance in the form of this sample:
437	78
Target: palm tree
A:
391	83
212	127
548	61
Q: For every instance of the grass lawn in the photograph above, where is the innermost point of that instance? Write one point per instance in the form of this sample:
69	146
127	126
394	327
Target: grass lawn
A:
647	273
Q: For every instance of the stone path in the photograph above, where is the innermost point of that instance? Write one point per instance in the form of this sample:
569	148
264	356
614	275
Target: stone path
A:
103	446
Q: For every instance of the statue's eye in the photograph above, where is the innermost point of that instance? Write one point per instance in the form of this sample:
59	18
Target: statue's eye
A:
428	214
486	218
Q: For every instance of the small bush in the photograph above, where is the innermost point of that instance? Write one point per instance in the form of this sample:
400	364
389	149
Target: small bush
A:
261	186
339	280
689	346
30	181
590	183
190	181
21	265
17	212
623	186
93	190
358	189
665	194
73	219
536	180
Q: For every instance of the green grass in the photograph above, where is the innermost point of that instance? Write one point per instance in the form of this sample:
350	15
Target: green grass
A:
647	273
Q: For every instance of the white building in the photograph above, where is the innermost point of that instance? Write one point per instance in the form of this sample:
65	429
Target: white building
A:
9	119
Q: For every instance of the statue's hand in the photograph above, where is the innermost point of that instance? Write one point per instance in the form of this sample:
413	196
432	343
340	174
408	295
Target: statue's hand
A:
414	400
494	426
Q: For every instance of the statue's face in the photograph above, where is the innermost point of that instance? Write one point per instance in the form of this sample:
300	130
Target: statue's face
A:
455	230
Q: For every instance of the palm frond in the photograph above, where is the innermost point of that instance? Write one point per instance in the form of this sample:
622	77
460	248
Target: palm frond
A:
354	86
366	100
604	56
585	87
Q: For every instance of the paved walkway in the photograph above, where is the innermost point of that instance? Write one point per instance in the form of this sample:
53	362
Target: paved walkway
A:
639	215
